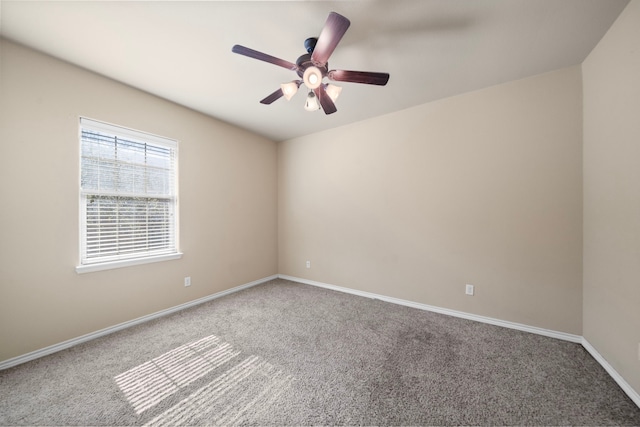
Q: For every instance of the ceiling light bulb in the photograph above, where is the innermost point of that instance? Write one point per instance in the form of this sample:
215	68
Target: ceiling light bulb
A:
289	89
333	91
312	77
312	102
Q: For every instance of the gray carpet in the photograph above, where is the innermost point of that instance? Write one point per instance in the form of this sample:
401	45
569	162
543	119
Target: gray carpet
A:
283	353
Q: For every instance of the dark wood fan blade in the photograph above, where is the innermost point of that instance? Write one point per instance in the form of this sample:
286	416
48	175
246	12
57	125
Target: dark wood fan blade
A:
330	36
273	97
263	57
325	101
365	77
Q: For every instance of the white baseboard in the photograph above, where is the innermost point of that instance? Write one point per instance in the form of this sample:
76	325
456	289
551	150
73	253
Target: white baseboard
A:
633	395
93	335
512	325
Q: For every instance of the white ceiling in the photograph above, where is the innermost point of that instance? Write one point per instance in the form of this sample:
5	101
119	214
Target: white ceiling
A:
433	49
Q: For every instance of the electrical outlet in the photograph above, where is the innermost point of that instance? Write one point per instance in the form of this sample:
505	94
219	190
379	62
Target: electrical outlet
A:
469	290
308	264
187	281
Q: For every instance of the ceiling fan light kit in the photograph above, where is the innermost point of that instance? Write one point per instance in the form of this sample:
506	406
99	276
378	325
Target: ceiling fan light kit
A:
312	67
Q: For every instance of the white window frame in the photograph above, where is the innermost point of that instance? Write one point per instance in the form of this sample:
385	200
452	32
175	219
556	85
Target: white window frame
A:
89	264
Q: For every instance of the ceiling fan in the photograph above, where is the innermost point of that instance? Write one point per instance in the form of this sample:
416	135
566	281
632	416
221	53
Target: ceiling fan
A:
312	67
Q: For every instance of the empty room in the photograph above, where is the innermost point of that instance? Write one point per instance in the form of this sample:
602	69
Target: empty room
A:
367	212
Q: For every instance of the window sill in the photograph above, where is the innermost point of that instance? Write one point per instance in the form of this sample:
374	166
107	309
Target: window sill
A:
89	268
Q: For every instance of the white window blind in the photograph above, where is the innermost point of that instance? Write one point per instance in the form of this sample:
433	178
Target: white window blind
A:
128	194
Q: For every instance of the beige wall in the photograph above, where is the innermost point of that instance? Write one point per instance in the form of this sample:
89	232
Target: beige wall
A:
228	195
483	188
612	196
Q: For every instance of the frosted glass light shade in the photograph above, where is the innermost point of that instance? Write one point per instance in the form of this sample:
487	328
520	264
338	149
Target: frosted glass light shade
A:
289	89
312	77
333	91
312	103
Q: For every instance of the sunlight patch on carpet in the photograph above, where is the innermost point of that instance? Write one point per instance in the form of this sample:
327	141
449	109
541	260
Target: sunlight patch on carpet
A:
151	382
243	391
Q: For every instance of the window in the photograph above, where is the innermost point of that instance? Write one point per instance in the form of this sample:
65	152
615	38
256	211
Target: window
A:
128	197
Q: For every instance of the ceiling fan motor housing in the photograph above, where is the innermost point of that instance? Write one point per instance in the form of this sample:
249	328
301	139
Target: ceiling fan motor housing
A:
304	61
